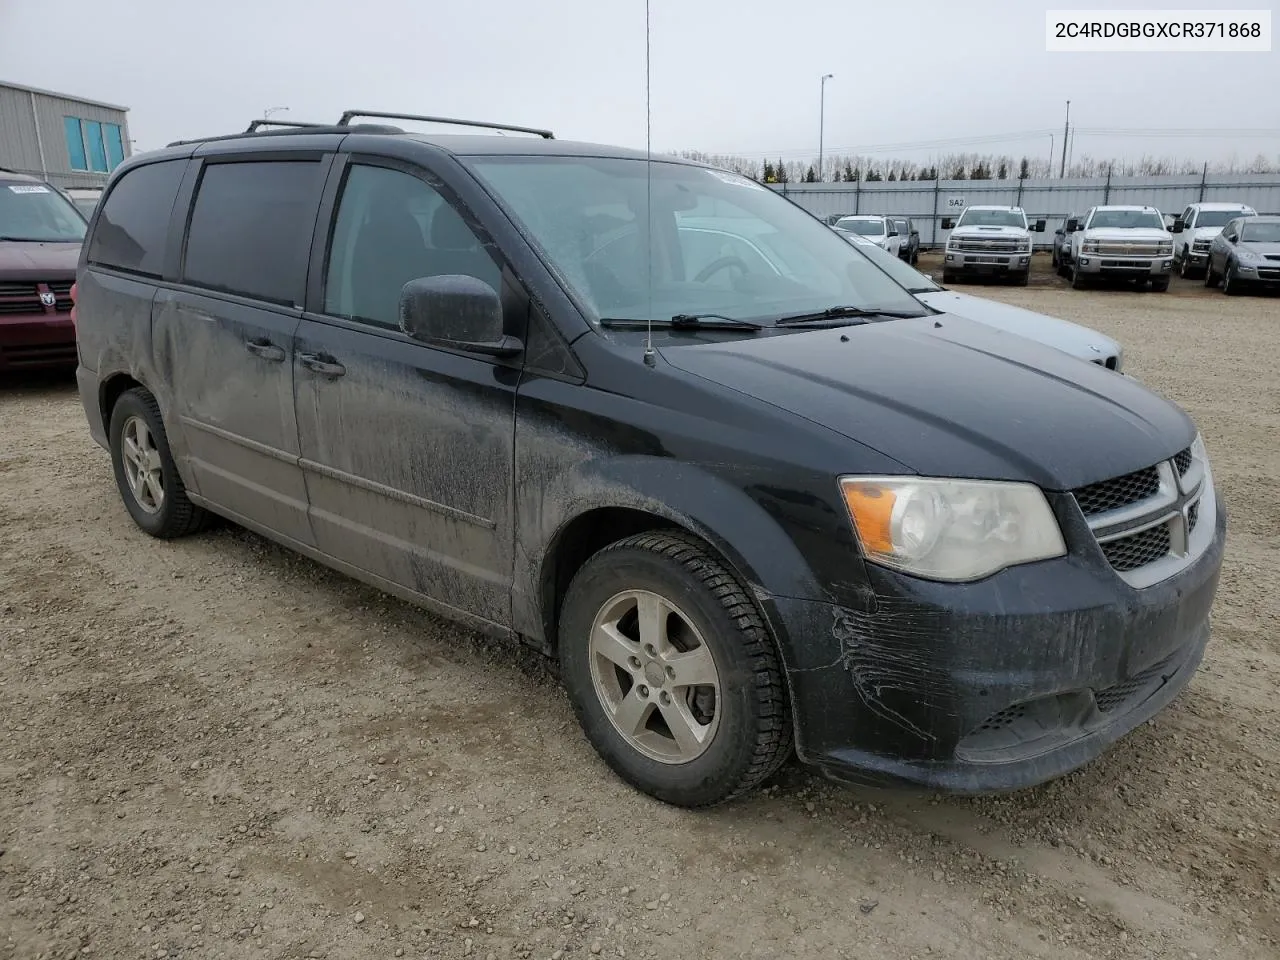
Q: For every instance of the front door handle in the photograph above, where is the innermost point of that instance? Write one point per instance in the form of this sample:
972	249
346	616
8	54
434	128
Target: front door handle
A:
265	349
322	365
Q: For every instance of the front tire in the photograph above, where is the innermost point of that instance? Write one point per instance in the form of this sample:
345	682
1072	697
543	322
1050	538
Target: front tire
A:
1210	278
146	475
1185	270
1232	286
1160	286
672	672
1079	281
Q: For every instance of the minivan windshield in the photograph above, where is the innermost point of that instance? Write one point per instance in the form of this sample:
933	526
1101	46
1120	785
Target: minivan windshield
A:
36	213
865	228
991	218
911	279
716	243
1126	220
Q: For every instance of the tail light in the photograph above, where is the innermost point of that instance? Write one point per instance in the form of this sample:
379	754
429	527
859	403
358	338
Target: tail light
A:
73	304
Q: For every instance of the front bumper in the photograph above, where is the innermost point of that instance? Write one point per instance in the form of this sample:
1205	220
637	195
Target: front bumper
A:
36	341
967	261
1267	271
1124	266
995	685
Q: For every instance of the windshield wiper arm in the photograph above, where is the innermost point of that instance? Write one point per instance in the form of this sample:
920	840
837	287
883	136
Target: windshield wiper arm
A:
685	321
838	314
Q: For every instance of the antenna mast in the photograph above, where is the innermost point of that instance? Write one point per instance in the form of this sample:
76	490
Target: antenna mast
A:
649	356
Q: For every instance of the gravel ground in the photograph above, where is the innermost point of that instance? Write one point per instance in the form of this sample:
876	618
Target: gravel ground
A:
213	748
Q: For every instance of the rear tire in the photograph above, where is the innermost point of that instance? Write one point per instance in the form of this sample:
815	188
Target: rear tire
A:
146	474
633	621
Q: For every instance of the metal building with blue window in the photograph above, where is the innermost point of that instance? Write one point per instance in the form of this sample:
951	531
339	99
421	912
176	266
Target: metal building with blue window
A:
69	141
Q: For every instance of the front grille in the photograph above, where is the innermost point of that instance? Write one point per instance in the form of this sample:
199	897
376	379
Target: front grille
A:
1200	245
1121	693
990	246
24	297
1004	718
1265	274
1183	462
1273	256
1193	515
1119	492
1129	249
1139	549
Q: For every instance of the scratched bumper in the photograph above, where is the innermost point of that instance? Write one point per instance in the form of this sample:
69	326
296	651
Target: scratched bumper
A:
992	686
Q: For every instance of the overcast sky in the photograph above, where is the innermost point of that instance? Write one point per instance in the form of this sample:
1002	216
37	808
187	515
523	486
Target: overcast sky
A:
737	76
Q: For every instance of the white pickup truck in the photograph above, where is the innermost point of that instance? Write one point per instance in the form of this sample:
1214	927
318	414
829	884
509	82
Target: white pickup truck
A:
989	241
1121	242
1201	222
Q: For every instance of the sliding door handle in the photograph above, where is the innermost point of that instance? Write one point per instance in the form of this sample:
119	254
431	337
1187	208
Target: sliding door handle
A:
325	366
265	349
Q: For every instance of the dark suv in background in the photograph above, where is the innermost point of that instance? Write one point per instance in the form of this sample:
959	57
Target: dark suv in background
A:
654	420
40	236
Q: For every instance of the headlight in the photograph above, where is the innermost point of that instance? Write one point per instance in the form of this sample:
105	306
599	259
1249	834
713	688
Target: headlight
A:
1164	250
1248	256
1091	246
951	529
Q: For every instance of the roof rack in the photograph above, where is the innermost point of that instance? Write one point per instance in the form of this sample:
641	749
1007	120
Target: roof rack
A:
256	125
292	130
346	120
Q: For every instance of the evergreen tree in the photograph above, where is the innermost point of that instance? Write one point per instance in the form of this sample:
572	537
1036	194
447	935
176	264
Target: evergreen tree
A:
781	173
1003	172
811	175
770	176
873	175
1024	169
892	175
958	173
848	172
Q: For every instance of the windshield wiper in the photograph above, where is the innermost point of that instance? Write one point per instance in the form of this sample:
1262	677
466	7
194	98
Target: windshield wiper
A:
685	321
839	315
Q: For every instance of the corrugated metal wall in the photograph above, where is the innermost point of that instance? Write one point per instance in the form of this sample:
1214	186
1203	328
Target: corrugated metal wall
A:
927	202
21	138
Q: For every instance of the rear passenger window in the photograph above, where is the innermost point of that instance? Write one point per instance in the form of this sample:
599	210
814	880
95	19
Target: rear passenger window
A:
392	228
133	225
251	228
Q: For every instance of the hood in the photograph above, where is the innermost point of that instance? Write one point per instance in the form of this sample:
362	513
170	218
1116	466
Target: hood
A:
989	232
38	261
949	397
1062	335
1263	248
1201	233
1127	233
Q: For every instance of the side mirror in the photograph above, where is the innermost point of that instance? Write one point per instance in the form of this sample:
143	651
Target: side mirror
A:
1073	225
1039	226
1178	226
456	311
948	223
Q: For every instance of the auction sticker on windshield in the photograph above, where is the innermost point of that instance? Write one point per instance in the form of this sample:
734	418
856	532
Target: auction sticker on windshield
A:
28	188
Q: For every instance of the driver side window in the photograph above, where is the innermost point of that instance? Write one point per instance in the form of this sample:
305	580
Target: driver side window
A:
391	228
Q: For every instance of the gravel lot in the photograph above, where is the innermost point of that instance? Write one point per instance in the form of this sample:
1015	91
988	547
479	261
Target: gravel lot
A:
213	748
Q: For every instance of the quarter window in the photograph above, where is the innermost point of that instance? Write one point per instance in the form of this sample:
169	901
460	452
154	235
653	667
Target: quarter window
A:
133	226
251	228
391	228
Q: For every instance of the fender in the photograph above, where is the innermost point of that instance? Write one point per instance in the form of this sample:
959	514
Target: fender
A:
692	496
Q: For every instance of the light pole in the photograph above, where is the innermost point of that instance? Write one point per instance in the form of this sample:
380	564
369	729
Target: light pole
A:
822	119
266	114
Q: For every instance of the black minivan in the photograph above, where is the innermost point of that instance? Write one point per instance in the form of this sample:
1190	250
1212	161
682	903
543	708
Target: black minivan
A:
657	421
